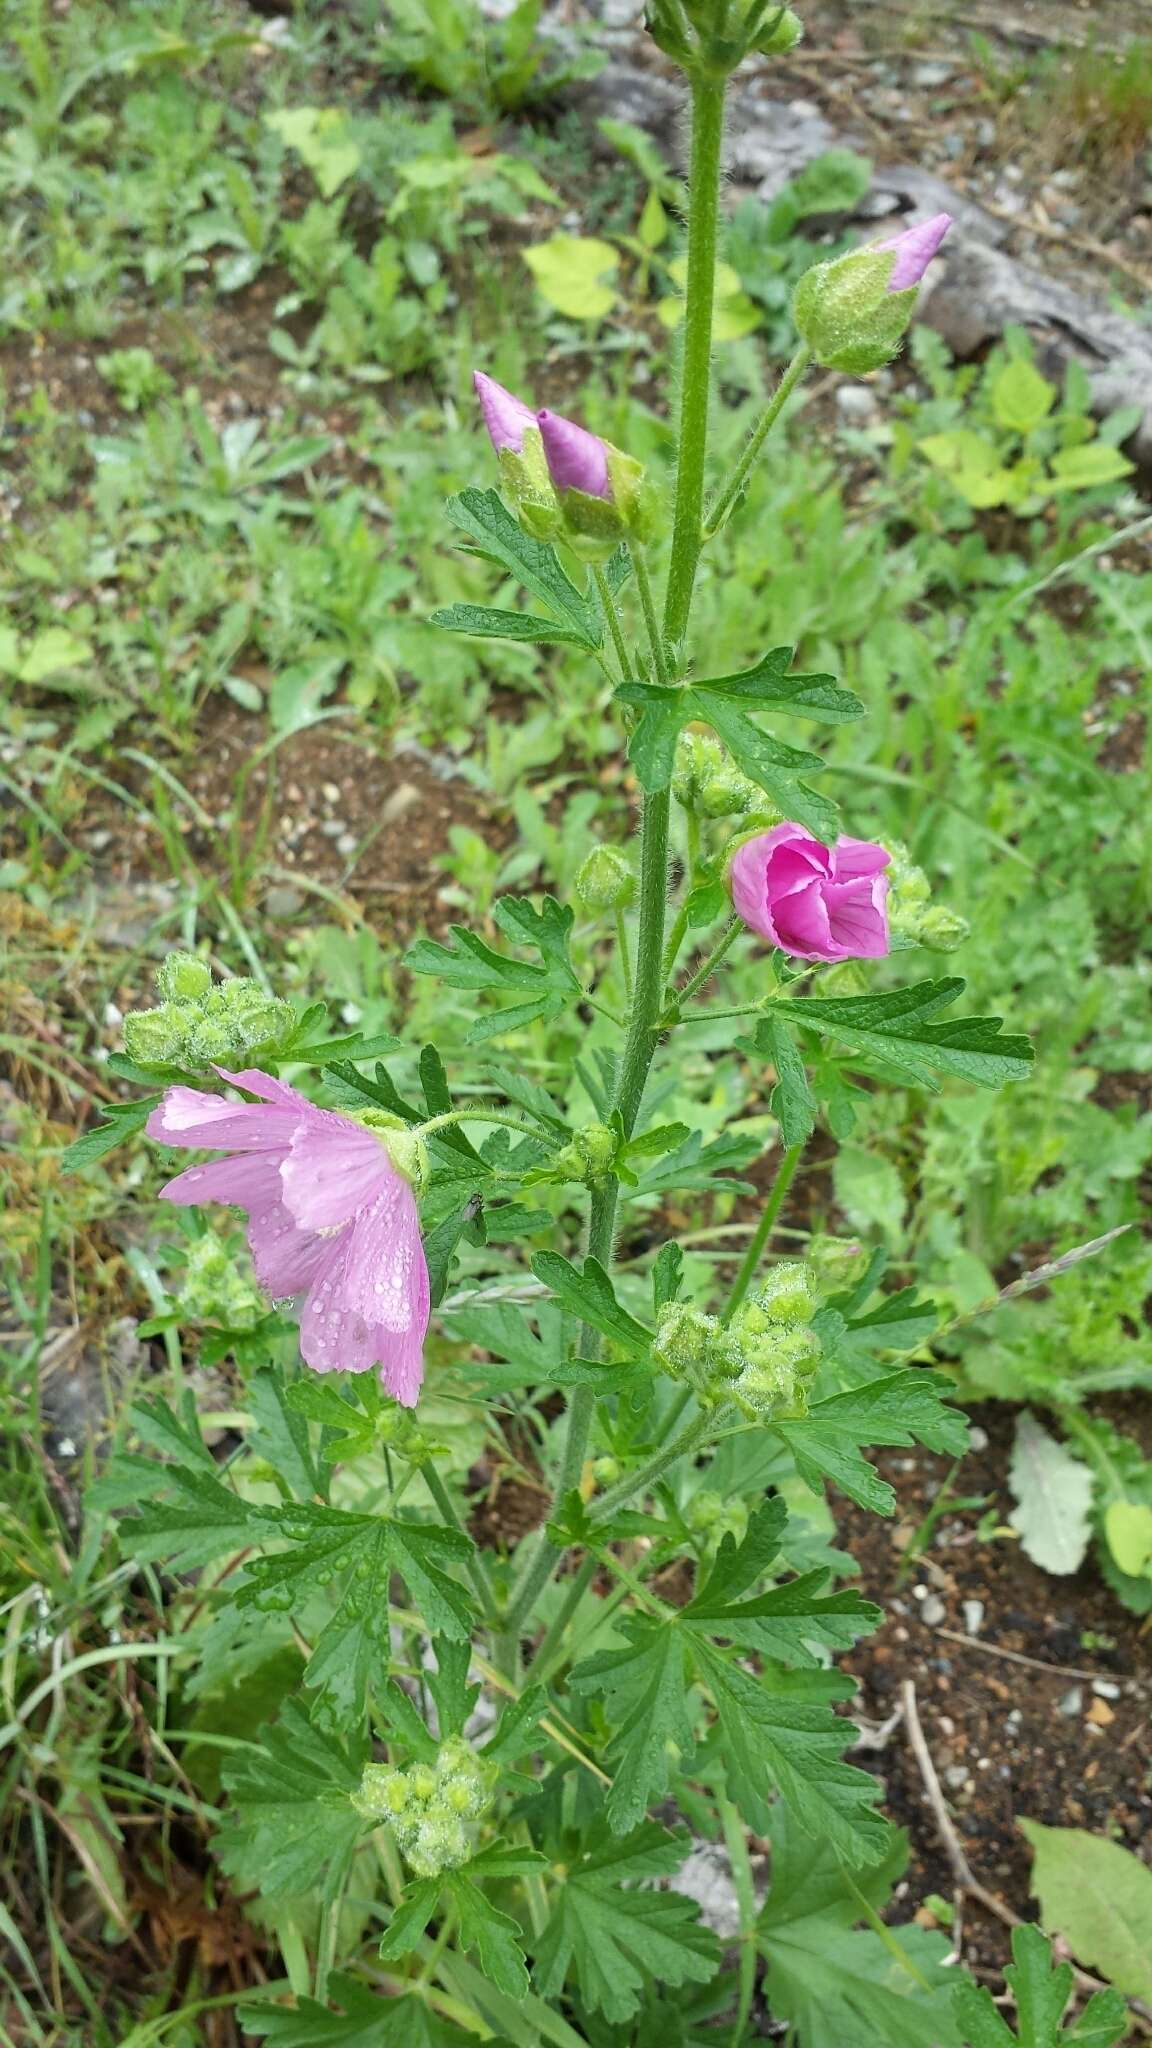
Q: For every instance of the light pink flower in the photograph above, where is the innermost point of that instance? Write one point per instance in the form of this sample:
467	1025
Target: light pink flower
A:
505	416
915	249
329	1217
577	460
818	902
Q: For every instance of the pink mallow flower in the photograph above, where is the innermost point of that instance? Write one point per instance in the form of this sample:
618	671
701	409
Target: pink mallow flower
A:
818	902
505	416
329	1217
577	460
915	249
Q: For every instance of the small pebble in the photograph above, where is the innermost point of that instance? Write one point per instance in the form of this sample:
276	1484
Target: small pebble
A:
1072	1703
347	843
973	1612
957	1775
856	403
1105	1689
977	1438
933	1611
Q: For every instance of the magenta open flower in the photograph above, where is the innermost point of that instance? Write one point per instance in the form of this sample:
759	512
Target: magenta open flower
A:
505	416
329	1217
915	249
818	902
577	460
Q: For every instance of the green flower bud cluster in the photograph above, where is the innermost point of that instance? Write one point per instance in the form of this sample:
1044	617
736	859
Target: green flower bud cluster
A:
216	1290
763	1359
711	1517
911	913
202	1023
605	881
777	1349
706	779
589	1155
429	1806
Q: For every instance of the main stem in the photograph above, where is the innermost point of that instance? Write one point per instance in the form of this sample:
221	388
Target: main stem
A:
703	210
642	1034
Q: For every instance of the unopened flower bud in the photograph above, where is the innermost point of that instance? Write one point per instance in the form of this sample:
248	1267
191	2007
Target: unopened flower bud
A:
788	1293
941	930
604	495
606	1471
422	1783
589	1155
781	32
605	880
383	1793
704	1511
777	1369
183	978
440	1843
686	1344
853	312
264	1024
210	1043
834	1261
157	1037
515	434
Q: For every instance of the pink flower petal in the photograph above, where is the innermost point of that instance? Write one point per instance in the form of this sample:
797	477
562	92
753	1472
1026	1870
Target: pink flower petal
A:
915	248
286	1258
188	1117
247	1180
859	857
577	460
857	922
802	922
387	1276
331	1171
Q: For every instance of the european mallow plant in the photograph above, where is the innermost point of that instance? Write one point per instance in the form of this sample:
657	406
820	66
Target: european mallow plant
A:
465	1812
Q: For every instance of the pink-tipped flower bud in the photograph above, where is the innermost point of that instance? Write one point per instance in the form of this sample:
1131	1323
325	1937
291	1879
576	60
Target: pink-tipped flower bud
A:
577	460
514	432
506	417
603	494
915	249
853	313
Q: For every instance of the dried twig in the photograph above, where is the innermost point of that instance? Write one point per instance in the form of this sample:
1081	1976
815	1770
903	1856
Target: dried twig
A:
1032	1663
965	1877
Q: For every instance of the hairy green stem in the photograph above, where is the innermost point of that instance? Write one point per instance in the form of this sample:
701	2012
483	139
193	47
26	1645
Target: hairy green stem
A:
708	967
644	1020
624	952
477	1569
478	1115
689	1439
549	1649
652	625
763	1231
730	492
696	374
612	616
